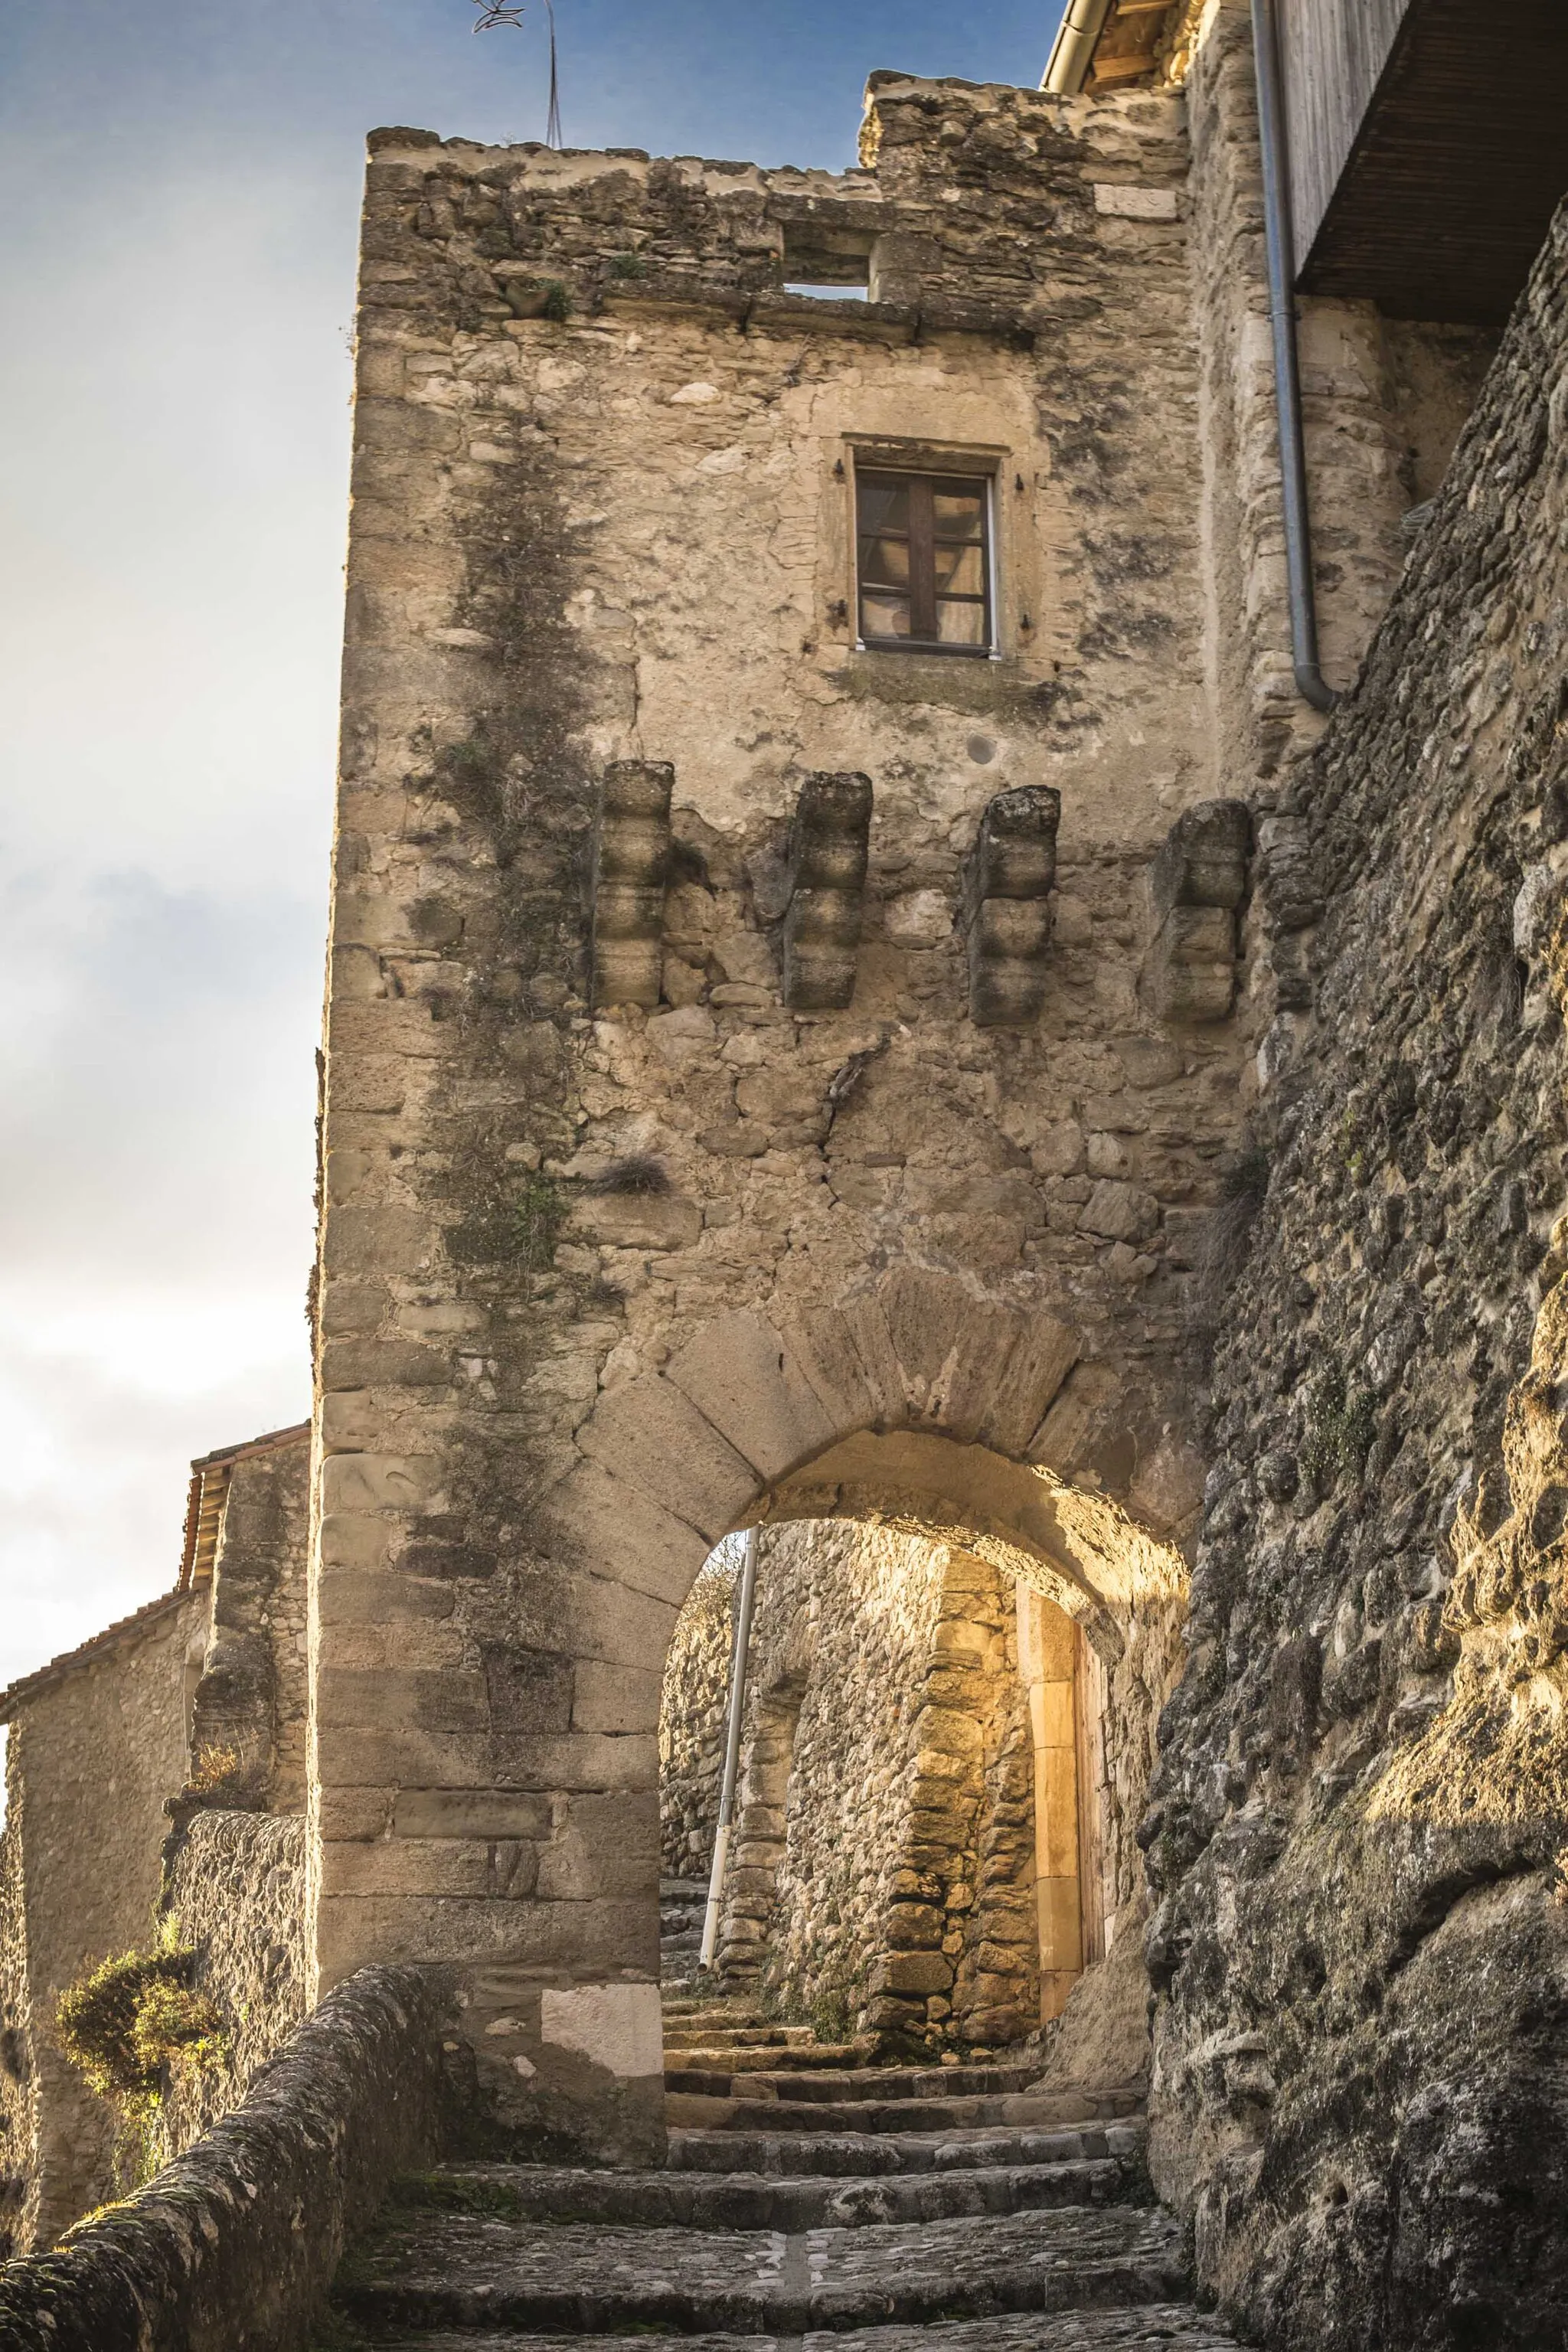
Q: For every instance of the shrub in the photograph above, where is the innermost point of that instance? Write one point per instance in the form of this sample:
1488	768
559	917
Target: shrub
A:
221	1776
133	2018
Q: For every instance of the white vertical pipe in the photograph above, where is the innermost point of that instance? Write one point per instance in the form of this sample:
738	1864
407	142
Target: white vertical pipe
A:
733	1749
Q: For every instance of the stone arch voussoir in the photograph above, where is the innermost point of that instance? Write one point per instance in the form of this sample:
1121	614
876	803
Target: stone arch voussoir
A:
917	1399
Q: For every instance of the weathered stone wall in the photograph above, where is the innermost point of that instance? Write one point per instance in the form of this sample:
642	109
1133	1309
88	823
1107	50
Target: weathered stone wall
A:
94	1752
196	1705
1361	1947
17	2116
841	1643
251	1701
692	1718
623	534
237	1887
882	1871
232	2247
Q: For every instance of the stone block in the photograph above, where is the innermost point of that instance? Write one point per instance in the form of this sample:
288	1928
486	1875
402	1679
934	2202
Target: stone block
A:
358	1755
361	1363
526	1689
867	1323
379	1482
745	1381
1119	1212
587	1760
352	1309
617	1530
616	1699
952	1349
1055	1817
355	1812
1042	1356
415	1643
1090	1400
619	2026
464	1931
349	1422
825	1351
659	1221
606	1846
470	1814
655	1439
437	1702
400	1865
365	1241
948	1731
914	1972
594	1617
1061	1926
914	1926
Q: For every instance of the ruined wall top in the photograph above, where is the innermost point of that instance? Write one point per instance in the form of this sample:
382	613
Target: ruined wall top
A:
964	187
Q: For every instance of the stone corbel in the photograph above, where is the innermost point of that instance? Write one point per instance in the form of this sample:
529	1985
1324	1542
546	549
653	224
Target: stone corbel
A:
631	873
1008	885
828	846
1197	883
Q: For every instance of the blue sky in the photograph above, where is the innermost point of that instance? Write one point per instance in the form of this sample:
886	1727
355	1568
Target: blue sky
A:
180	185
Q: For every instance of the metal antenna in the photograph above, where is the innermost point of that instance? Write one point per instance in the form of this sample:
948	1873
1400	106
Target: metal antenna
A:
552	120
510	12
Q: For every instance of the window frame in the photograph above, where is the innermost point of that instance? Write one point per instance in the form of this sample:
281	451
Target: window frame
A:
932	469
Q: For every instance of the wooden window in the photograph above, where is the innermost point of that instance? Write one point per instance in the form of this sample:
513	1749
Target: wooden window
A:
924	562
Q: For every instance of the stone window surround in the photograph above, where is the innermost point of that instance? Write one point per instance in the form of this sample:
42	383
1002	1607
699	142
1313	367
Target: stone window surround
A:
989	461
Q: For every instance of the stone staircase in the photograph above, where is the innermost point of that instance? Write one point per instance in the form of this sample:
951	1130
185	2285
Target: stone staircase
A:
812	2199
681	1904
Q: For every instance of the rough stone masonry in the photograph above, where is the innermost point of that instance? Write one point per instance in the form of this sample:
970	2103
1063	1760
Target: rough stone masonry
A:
770	1077
1359	1812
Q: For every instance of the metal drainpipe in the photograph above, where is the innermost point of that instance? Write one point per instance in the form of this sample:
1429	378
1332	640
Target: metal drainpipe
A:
1310	683
732	1750
1073	48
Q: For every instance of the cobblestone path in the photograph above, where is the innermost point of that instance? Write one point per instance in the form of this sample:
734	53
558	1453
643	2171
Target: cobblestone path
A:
812	2203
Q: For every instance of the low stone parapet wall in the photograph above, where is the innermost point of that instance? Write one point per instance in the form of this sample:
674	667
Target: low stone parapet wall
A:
231	2247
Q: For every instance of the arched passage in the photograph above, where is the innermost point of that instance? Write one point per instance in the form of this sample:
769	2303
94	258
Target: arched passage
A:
916	1402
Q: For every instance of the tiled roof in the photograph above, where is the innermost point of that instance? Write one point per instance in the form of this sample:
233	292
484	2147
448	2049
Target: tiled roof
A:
210	1475
30	1685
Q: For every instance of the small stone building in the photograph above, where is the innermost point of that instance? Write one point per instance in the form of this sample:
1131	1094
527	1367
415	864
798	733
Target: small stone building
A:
158	1769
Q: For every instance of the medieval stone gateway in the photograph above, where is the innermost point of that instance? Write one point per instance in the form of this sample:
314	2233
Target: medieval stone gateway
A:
917	1403
868	1003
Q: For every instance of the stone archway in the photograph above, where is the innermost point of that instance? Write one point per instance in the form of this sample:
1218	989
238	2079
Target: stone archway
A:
916	1400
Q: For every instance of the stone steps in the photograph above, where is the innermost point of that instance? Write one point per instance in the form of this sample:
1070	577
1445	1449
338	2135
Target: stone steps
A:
1151	2327
751	2058
437	2268
695	2199
868	2155
686	2034
829	2075
1018	2109
828	2205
